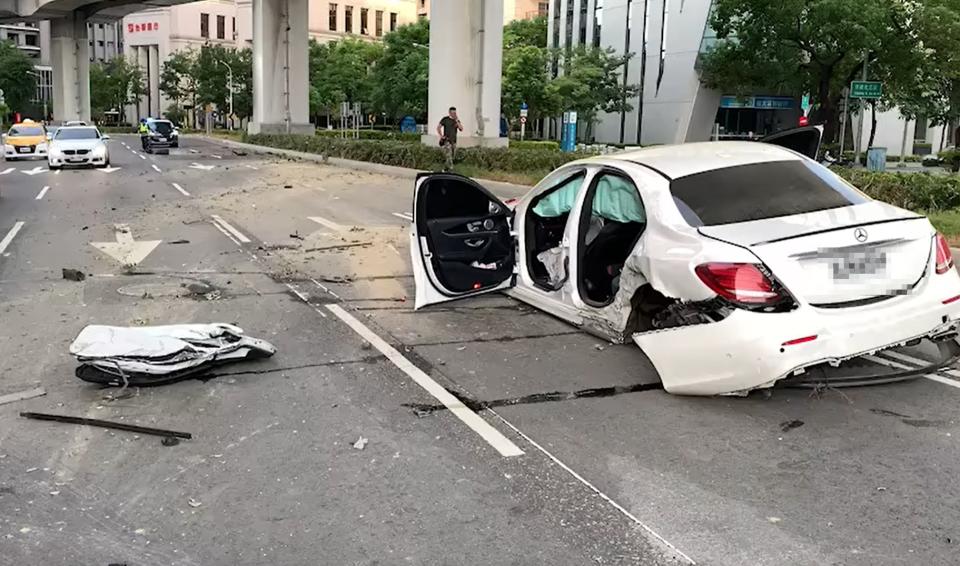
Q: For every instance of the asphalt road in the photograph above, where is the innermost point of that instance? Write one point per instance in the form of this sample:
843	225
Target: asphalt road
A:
555	456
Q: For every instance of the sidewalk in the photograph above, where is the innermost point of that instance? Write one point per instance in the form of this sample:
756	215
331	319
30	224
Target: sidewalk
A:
498	187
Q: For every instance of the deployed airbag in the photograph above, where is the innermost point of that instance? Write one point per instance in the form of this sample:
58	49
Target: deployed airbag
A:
155	355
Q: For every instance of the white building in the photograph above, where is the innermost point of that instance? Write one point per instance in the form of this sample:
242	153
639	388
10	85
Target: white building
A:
151	36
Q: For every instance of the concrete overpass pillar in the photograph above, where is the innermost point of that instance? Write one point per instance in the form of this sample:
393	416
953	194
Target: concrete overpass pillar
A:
70	59
281	80
143	61
466	56
153	81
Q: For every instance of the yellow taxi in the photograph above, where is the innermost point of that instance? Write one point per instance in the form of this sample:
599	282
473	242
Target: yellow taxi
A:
26	139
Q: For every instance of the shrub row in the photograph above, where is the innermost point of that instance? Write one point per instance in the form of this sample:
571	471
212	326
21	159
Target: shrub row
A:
371	135
913	191
535	144
418	156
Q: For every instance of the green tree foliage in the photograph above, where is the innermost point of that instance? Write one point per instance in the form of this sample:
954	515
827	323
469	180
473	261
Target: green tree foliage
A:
114	85
591	83
17	84
519	33
177	82
400	74
341	71
196	78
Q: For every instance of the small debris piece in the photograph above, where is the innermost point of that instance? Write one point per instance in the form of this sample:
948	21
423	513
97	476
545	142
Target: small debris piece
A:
25	530
339	246
106	424
288	186
73	274
360	444
170	441
32	470
181	241
366	345
788	425
461	348
85	228
193	502
199	288
140	532
598	347
239	152
296	235
57	492
22	395
881	488
774	519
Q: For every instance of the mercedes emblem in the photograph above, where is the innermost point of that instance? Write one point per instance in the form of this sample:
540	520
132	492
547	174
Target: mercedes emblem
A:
860	234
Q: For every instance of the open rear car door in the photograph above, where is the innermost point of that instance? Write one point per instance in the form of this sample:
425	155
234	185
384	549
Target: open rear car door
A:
460	243
805	140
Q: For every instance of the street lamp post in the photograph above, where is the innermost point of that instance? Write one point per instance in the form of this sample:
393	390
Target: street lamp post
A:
43	93
229	89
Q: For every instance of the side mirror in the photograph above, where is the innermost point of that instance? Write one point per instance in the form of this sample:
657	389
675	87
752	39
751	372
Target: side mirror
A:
104	137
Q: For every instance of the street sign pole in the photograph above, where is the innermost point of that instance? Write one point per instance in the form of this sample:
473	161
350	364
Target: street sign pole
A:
863	114
523	120
843	120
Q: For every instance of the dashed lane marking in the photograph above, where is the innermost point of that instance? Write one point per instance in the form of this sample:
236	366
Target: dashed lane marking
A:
141	156
226	226
179	188
155	168
42	192
328	223
7	170
5	242
494	437
404	215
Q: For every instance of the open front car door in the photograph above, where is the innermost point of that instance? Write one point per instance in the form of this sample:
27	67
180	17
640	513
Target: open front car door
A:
805	140
460	243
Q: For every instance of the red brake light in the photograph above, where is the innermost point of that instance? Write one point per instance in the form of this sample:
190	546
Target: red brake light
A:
944	255
739	282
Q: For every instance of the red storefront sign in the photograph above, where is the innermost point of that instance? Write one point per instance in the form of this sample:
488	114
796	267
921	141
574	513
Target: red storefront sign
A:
148	26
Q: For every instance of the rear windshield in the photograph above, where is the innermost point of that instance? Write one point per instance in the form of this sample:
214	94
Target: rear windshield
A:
25	131
162	127
758	191
77	134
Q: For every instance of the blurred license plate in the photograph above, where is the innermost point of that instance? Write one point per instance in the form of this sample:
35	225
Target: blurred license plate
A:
23	149
855	264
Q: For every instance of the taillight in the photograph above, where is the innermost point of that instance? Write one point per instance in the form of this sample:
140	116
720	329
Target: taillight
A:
944	255
739	282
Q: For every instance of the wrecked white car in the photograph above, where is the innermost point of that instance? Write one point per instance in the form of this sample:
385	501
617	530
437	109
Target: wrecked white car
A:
733	265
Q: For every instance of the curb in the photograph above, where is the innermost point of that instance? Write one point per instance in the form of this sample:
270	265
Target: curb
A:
499	187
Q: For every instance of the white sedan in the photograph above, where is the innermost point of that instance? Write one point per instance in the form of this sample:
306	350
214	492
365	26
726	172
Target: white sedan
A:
77	146
733	265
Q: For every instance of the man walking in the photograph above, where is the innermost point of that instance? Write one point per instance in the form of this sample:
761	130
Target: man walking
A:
447	130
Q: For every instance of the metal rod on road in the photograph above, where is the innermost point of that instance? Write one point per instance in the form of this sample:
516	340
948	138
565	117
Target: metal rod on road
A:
107	424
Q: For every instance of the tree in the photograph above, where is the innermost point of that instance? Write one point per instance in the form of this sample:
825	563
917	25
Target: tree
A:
799	46
177	82
590	84
341	71
400	76
114	85
525	69
525	33
15	80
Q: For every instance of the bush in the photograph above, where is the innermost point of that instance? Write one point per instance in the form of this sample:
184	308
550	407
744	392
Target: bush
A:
950	158
419	156
535	144
372	135
912	191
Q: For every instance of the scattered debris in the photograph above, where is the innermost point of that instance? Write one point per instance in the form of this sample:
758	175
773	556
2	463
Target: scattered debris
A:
198	288
288	186
32	470
360	444
339	246
239	152
788	425
774	520
181	241
140	532
193	502
73	274
170	441
85	228
598	347
22	395
158	355
365	345
106	424
296	235
881	488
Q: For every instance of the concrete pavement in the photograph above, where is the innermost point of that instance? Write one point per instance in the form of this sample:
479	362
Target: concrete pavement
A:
611	471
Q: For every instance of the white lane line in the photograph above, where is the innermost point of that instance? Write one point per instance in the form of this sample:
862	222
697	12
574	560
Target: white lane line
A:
328	223
305	299
395	250
254	167
325	288
42	192
494	437
898	365
133	151
141	156
226	225
179	188
225	233
10	236
905	358
155	168
215	156
404	215
7	170
57	172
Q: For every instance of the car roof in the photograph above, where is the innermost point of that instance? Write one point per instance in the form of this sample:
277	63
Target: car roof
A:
675	161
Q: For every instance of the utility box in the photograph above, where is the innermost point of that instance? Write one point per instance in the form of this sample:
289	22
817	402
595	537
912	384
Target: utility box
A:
877	159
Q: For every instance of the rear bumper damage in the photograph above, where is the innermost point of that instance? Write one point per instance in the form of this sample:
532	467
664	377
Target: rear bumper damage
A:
751	350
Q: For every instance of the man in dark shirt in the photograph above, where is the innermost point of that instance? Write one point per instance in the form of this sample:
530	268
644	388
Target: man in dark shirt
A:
447	130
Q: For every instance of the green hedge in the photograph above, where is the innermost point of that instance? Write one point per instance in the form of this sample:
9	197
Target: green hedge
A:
535	144
372	135
419	156
913	191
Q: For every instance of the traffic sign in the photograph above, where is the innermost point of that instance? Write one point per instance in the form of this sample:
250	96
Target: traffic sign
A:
523	119
866	89
523	106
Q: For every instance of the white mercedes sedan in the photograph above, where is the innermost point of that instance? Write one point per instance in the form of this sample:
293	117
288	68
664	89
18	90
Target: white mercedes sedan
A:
733	265
78	146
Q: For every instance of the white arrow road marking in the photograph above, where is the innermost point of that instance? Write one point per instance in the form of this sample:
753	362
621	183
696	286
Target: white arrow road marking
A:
157	169
201	167
404	215
34	171
226	226
10	236
126	250
328	223
8	170
179	188
107	169
42	192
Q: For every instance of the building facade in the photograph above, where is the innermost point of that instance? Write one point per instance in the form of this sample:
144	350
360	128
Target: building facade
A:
151	36
512	9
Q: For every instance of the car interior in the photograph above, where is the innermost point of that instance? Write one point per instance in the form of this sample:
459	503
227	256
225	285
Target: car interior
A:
467	233
607	235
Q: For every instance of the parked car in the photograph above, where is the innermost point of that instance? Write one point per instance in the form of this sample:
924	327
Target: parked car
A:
79	146
25	140
733	265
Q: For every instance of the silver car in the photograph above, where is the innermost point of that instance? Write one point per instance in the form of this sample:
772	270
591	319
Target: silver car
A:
78	145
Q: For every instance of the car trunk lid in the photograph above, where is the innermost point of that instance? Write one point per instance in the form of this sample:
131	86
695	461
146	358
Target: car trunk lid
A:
841	256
